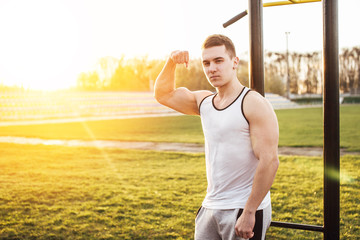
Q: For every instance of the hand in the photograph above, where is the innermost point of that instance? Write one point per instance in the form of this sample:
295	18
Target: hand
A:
245	224
180	57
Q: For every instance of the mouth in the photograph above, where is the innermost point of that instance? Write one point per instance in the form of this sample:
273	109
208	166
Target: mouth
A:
214	77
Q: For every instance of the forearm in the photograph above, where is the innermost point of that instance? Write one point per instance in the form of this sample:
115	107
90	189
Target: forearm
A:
165	82
263	180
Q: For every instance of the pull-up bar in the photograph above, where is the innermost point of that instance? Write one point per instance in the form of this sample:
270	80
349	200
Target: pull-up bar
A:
269	4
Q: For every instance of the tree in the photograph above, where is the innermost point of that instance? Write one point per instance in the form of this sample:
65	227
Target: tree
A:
275	73
350	70
312	69
192	77
105	68
89	81
305	73
243	72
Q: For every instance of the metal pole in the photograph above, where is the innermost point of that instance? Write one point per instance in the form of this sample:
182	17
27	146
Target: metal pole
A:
297	226
256	50
236	18
331	120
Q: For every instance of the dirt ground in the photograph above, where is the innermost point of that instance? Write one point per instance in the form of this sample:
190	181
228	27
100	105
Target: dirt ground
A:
158	146
300	151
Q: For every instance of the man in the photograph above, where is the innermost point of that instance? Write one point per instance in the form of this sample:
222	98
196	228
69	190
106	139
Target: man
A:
241	138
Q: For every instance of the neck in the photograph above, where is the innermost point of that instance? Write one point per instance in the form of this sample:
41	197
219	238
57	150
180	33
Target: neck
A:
228	90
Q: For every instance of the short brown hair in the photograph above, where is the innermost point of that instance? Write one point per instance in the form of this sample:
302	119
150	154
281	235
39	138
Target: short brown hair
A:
220	40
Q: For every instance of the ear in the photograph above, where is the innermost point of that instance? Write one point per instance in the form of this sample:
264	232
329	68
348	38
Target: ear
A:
235	62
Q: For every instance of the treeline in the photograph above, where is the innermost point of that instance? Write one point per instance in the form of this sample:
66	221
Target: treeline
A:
120	74
304	70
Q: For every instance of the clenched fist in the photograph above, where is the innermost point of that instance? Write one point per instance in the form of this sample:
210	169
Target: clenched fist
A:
180	57
245	225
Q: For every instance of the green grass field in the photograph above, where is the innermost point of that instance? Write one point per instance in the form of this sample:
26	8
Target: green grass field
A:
55	192
298	127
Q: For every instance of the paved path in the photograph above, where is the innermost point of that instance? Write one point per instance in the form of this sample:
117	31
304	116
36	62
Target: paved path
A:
158	146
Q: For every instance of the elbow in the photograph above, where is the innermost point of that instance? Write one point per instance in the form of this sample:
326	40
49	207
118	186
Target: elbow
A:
276	163
273	159
157	93
159	97
272	162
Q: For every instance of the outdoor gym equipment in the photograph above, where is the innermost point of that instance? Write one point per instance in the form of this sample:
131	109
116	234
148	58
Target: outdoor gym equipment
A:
331	151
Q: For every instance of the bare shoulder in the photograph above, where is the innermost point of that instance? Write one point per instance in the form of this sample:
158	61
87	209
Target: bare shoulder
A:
201	94
255	106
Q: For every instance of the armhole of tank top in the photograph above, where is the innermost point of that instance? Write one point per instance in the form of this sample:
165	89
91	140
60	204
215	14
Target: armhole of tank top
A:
242	105
203	101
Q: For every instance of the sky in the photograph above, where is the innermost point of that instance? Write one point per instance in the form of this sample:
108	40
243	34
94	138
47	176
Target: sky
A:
46	44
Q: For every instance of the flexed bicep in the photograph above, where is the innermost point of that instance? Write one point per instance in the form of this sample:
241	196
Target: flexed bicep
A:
180	99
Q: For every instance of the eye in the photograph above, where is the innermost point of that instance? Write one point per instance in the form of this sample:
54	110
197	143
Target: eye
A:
206	64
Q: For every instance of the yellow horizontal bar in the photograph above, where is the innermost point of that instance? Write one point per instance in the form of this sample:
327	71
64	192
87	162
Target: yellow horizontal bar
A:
271	4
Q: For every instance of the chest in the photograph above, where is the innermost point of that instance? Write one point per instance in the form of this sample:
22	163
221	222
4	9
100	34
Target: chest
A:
226	123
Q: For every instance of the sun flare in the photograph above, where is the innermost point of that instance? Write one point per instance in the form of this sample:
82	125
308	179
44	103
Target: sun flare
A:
41	46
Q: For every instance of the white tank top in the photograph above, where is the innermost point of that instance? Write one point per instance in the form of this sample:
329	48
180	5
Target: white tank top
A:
230	160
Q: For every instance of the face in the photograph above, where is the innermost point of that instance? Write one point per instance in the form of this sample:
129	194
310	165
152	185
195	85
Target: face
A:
219	68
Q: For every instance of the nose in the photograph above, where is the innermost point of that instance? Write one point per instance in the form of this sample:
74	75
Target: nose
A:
212	68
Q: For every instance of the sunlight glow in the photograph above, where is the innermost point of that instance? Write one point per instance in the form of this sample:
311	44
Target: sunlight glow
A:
101	149
42	47
45	45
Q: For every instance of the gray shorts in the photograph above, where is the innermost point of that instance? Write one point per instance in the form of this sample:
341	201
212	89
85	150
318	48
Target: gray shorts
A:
215	224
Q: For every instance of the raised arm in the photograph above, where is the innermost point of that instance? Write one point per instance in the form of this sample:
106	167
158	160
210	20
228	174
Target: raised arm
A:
180	99
264	134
